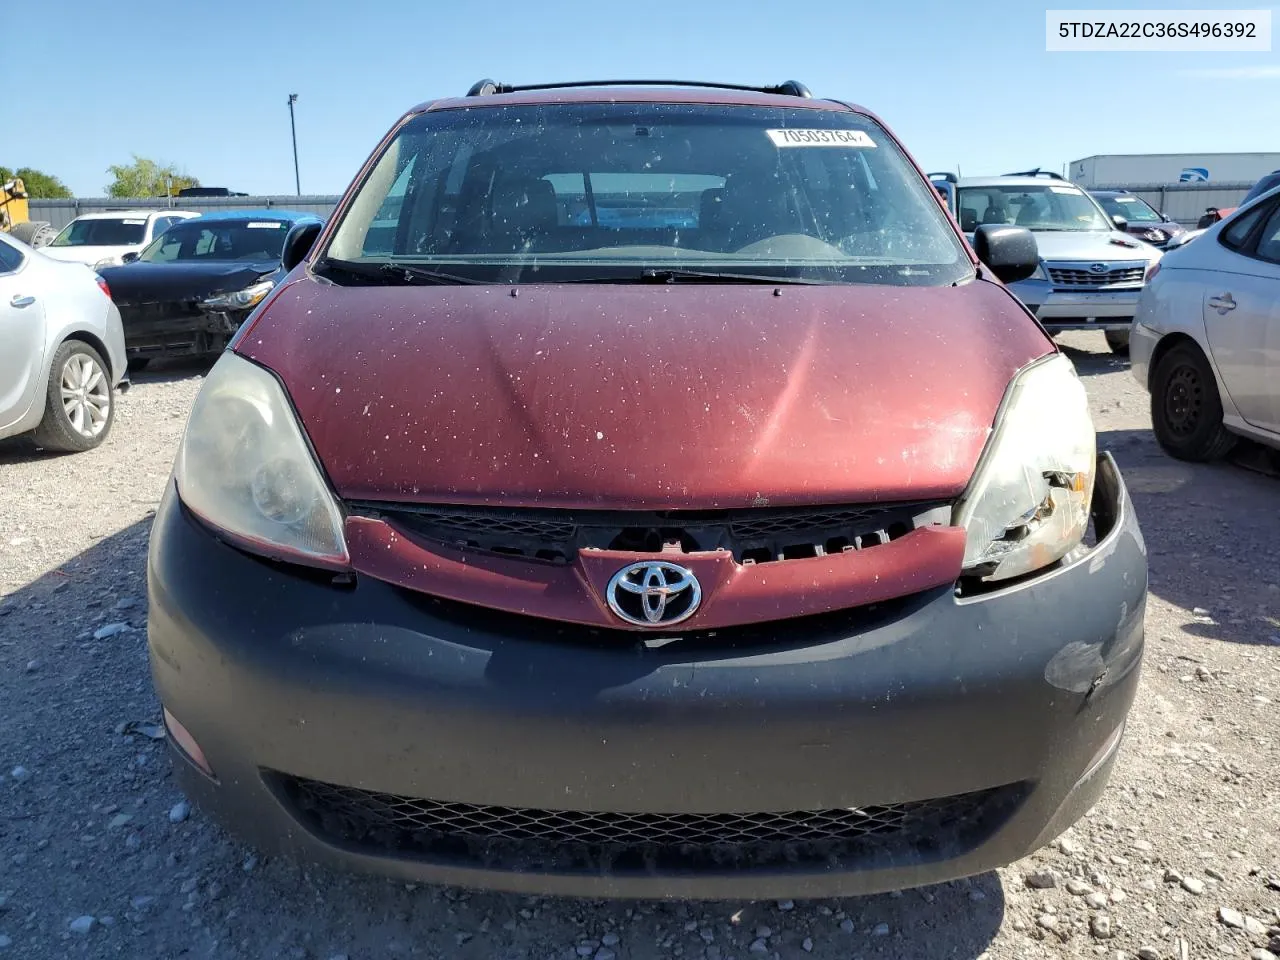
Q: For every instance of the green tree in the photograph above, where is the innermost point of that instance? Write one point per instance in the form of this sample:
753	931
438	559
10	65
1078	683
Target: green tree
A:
146	178
40	185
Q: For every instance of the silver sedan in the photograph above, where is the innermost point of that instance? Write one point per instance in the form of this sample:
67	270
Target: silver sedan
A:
62	356
1206	339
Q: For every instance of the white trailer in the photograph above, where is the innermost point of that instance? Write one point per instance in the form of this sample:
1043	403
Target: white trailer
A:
1115	170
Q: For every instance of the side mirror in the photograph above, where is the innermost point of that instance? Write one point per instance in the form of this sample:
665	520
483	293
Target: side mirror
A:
1010	252
1120	222
129	257
298	244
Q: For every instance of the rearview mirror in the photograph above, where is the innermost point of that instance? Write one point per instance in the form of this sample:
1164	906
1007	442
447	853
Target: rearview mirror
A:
1010	252
298	244
1120	222
129	257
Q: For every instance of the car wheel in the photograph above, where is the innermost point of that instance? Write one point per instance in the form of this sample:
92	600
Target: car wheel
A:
80	402
1186	411
1118	341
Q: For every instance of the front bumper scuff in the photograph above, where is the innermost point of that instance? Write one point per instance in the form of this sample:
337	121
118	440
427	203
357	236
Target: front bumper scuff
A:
282	678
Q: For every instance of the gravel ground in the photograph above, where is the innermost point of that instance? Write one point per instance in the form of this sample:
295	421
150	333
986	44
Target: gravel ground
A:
100	858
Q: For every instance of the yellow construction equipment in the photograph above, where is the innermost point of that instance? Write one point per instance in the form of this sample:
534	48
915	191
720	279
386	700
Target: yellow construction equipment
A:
14	219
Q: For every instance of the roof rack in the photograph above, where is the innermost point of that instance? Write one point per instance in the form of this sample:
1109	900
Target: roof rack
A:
485	88
1037	172
947	176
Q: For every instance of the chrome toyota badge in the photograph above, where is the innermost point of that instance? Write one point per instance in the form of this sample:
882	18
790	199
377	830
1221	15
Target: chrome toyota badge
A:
654	593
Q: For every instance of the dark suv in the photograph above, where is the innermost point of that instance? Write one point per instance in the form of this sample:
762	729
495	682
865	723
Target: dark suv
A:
1140	218
646	491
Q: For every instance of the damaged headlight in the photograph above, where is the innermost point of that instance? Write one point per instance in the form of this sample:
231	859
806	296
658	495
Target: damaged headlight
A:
240	300
1028	503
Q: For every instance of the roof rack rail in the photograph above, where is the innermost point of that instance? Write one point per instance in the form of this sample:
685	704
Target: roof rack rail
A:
946	175
486	87
1037	172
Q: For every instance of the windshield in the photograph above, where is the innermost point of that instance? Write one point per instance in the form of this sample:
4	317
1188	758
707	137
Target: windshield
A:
568	192
1133	209
218	240
101	232
1048	207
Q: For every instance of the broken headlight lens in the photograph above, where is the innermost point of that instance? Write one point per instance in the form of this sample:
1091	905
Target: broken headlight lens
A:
1028	504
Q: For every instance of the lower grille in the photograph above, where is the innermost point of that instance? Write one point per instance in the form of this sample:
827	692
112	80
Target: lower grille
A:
752	536
1065	277
523	838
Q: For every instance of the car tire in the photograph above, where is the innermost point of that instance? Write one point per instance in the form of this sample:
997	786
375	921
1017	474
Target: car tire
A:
80	400
1186	410
1118	341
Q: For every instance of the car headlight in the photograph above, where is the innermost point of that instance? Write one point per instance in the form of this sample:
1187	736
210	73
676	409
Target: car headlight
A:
1028	504
245	468
1039	273
241	299
108	262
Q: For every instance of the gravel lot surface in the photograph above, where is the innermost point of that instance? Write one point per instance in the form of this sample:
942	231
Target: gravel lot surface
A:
99	857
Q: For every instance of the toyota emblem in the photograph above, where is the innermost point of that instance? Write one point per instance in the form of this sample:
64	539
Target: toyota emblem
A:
654	593
1097	268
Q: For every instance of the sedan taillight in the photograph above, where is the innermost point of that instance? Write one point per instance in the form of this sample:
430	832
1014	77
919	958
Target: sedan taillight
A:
102	285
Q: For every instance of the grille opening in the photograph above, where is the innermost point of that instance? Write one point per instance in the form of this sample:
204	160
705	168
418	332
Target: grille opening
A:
798	551
752	535
523	838
652	540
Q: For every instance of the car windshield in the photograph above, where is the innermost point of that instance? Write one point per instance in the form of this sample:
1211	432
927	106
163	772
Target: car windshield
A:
249	239
1133	209
101	232
586	191
1047	207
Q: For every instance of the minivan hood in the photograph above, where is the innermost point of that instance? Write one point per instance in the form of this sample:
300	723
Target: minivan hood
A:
645	397
1081	245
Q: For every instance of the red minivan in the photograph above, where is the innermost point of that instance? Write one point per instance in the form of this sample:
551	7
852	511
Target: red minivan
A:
644	490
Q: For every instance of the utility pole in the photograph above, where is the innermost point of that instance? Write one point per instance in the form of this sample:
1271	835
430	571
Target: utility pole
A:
297	182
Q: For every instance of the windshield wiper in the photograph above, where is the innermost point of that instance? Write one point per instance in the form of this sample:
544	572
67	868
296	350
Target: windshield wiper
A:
391	272
652	275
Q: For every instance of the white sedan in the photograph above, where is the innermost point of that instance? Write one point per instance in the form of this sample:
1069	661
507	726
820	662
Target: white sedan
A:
1206	338
62	355
103	239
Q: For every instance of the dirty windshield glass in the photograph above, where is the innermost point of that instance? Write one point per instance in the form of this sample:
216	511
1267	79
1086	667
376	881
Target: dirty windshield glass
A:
583	191
1051	207
101	233
218	240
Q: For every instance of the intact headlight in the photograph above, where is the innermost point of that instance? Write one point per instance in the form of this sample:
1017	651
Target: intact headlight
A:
1028	504
241	299
1039	272
108	262
244	468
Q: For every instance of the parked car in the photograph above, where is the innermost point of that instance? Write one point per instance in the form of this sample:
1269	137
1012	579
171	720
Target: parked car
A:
61	350
1140	218
631	558
104	239
1206	335
190	289
1213	215
1265	184
1091	271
